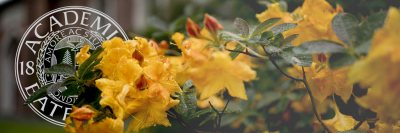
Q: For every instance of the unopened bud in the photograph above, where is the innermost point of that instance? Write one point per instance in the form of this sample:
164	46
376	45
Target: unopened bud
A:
211	23
82	114
321	58
192	28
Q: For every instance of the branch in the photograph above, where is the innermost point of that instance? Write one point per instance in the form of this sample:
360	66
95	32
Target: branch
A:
279	69
313	101
219	114
358	124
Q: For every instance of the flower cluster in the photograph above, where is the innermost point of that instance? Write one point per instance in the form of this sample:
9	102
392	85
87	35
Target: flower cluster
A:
136	82
208	64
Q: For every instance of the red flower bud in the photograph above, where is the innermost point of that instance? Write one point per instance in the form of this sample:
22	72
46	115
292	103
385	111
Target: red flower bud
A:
321	58
211	23
192	28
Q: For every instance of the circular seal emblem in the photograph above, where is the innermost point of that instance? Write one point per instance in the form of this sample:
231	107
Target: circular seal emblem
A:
55	38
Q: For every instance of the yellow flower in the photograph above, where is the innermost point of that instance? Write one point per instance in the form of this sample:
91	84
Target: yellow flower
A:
220	72
313	20
178	39
382	127
212	69
380	70
340	122
137	82
275	11
214	100
324	82
83	54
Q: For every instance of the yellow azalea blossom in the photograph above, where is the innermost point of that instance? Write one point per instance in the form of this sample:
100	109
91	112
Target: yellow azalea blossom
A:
313	20
137	82
382	127
275	11
380	70
324	82
212	70
83	54
221	72
340	122
178	39
214	100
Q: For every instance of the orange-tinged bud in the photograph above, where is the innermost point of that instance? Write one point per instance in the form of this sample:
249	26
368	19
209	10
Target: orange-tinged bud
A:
83	113
164	44
211	23
192	28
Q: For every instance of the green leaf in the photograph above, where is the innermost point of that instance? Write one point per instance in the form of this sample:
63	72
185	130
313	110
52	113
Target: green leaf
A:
90	62
235	54
187	100
297	59
273	50
229	36
337	60
282	28
278	40
91	75
366	31
72	90
264	26
319	46
282	105
266	38
268	99
289	39
345	26
200	113
242	26
41	92
54	87
62	69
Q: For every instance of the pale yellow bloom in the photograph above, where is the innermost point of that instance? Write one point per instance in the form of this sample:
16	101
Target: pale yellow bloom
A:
275	11
137	82
324	82
214	100
313	20
340	122
221	72
380	70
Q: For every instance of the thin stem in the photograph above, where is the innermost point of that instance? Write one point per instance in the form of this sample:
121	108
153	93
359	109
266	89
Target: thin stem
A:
243	52
222	112
313	101
279	69
358	124
219	114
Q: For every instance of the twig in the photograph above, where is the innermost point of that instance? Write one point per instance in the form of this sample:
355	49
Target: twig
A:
243	52
279	69
219	114
304	80
358	124
313	101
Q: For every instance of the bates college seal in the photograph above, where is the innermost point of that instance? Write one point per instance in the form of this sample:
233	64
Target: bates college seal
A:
55	38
